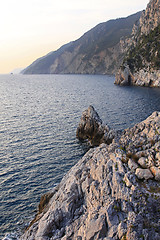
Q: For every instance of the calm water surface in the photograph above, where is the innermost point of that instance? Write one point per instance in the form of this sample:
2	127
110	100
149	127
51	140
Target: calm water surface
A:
39	115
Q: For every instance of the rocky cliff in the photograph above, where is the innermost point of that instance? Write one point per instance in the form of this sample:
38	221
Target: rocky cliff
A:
112	193
141	65
99	51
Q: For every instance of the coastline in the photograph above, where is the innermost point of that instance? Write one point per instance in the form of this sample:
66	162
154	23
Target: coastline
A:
113	192
142	78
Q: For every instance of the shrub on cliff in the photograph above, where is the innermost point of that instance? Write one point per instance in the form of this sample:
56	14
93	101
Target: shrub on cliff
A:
145	52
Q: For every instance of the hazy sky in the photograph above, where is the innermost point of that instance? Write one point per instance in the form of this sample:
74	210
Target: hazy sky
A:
30	29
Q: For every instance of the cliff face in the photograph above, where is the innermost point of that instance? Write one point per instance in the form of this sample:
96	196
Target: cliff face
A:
112	193
150	19
141	65
99	51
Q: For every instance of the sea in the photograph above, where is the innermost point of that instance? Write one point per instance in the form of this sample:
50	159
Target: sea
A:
39	115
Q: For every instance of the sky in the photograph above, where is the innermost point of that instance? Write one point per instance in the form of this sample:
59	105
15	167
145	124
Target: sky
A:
30	29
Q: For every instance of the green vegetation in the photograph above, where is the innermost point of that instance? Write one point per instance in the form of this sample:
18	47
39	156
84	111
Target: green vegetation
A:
142	236
123	148
145	51
117	208
44	201
116	167
124	237
154	189
106	35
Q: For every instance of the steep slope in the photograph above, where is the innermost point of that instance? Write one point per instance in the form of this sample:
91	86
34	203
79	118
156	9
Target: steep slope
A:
112	193
97	51
42	65
141	66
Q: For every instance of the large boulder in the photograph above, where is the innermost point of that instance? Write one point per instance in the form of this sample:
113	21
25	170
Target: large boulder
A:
92	129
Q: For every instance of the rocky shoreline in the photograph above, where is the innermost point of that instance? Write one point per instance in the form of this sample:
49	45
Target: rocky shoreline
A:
142	78
113	192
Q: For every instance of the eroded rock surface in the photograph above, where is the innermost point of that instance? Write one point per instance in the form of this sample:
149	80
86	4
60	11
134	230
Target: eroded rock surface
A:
102	198
92	129
142	78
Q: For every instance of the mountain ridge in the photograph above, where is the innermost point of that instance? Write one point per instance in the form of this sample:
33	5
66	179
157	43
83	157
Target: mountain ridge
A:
98	51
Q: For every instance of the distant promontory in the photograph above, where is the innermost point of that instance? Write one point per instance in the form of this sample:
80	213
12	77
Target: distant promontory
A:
99	51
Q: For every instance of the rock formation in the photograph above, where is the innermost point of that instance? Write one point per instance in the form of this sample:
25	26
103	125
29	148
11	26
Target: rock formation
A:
91	128
142	78
141	65
112	193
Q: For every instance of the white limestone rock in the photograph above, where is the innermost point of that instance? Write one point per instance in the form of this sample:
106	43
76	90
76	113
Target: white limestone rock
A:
132	164
143	173
127	181
156	172
142	162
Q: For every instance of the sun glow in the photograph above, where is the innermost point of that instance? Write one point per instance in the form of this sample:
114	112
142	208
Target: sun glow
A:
32	28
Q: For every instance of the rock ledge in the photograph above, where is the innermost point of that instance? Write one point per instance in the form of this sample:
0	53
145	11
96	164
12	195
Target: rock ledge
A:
112	193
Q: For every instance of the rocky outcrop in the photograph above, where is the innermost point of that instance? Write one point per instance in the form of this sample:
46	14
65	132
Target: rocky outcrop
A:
141	65
92	129
142	78
124	77
112	193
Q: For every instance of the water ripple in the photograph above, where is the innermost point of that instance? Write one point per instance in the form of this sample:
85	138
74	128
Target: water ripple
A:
38	120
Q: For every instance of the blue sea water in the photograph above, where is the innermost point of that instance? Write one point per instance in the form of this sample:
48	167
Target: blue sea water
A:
39	115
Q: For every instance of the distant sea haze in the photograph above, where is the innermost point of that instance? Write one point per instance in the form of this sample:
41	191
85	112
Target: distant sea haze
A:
38	121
